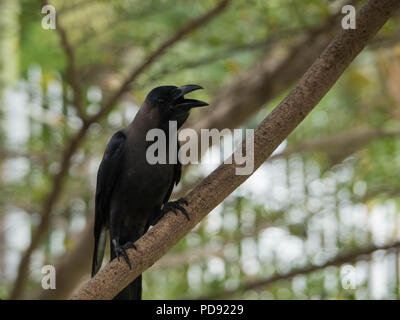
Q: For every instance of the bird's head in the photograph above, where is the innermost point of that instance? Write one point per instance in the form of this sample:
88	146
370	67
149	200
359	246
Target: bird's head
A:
168	103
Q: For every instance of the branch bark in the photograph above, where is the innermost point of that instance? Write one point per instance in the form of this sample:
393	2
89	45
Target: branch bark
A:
77	140
341	259
314	84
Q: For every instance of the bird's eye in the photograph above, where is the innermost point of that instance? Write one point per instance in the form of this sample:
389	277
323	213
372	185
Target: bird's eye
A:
161	100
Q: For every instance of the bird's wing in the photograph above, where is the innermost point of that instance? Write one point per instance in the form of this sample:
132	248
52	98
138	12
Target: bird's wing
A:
109	170
176	177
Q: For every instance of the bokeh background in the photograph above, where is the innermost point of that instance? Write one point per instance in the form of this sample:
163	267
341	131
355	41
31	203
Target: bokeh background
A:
319	220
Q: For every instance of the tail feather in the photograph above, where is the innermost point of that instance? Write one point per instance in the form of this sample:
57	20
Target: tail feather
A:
99	247
132	291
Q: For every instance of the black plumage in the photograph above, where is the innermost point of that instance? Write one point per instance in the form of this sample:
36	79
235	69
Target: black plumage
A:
131	193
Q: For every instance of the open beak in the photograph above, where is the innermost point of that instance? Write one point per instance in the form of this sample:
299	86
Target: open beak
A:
182	103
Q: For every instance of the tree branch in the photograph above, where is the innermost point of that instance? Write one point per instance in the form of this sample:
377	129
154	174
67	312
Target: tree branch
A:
340	259
72	73
48	206
315	83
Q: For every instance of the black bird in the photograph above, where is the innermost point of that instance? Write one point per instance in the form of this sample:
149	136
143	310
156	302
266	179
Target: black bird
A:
131	193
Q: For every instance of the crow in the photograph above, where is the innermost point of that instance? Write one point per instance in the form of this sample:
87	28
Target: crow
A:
131	193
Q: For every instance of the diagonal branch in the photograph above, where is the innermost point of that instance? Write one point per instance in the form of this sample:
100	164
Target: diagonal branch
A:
314	84
78	138
48	206
340	259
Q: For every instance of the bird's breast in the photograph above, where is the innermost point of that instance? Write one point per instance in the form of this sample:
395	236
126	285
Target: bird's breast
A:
147	181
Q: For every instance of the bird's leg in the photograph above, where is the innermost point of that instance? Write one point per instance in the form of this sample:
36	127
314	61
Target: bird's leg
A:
174	206
121	250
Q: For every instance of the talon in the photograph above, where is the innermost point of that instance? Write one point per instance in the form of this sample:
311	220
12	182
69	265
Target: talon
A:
121	251
183	200
172	208
129	245
125	255
183	210
176	205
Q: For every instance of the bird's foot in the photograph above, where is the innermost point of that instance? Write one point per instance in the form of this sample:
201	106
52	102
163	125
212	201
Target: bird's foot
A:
121	250
174	206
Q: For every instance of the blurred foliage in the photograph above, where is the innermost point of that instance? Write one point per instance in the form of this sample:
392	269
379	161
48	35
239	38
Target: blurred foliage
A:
295	211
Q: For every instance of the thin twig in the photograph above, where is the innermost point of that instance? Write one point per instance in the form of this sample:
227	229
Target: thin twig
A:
73	75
